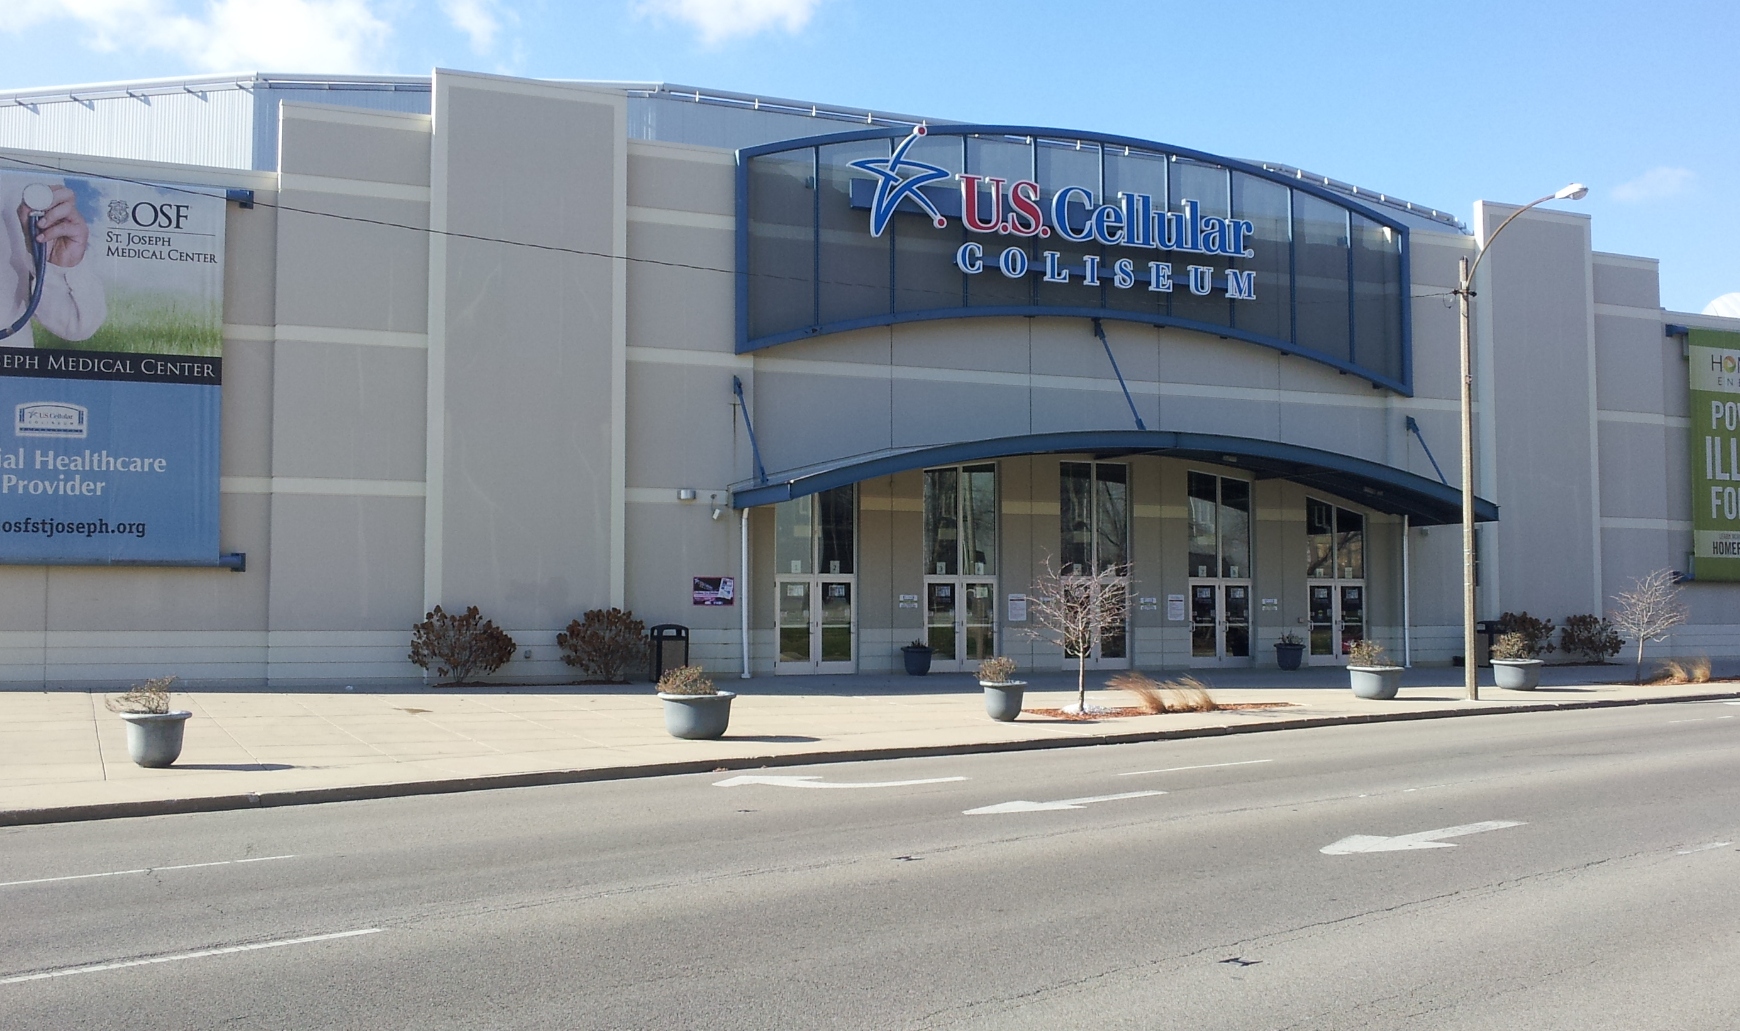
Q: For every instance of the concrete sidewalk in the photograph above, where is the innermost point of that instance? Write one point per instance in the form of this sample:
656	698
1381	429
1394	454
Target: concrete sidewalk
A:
64	757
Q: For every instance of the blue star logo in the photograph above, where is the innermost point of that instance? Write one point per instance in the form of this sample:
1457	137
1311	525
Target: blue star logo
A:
892	187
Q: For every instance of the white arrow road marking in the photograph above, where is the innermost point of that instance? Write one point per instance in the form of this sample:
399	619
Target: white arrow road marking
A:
1423	839
1067	803
1704	848
817	782
1210	766
201	954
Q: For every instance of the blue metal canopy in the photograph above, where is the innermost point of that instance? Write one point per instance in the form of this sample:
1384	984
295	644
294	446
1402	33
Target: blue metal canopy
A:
1372	484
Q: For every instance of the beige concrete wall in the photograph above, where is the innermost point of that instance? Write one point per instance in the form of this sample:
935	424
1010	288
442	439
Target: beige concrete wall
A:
473	357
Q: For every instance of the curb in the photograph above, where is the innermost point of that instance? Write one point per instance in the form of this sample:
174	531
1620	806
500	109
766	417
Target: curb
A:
366	792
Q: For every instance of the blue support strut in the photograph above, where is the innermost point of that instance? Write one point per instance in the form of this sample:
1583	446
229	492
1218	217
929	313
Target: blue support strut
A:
754	448
1100	331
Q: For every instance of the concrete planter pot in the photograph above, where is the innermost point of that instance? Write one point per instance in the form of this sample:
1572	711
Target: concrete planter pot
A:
917	660
154	738
1289	656
1517	674
698	717
1003	701
1375	681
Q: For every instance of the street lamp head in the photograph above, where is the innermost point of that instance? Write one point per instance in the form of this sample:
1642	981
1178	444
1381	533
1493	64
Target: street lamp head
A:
1575	191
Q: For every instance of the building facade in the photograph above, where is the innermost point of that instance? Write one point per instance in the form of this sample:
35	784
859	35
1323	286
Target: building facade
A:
823	382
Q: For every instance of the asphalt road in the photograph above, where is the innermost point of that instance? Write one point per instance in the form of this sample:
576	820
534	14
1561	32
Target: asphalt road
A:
1591	883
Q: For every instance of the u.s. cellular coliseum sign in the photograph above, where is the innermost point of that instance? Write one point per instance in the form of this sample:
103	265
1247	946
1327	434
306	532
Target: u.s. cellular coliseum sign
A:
883	226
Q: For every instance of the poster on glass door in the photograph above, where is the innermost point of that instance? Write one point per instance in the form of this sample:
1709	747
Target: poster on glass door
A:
111	361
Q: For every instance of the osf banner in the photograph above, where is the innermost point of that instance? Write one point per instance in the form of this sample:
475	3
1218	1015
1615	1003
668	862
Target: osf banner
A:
111	360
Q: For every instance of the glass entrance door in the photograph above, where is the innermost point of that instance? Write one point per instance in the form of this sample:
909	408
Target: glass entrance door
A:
1220	570
1335	581
815	556
817	625
1094	544
1220	622
960	622
960	565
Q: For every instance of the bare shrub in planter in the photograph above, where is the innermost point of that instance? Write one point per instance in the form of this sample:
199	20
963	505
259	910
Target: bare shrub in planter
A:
1590	636
460	647
604	645
686	680
997	670
149	698
1536	634
1512	646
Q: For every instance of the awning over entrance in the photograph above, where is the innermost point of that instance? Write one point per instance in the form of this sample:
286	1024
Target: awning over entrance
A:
1381	487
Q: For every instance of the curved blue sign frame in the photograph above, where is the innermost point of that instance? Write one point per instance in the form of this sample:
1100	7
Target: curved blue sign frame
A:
1072	209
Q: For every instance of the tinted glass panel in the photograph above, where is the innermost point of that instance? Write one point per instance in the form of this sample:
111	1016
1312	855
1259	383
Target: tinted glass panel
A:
1204	559
1075	517
979	520
1113	514
1320	275
854	265
782	242
837	509
1377	292
1350	544
1235	528
1065	164
1207	185
942	531
1011	162
925	275
1319	539
1266	206
794	536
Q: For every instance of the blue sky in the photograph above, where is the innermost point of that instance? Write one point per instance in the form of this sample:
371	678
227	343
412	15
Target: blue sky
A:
1438	103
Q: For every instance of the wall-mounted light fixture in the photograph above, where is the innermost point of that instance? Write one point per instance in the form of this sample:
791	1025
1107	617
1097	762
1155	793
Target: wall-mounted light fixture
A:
686	494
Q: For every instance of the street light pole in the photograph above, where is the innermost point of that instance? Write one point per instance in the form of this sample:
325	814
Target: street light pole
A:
1465	295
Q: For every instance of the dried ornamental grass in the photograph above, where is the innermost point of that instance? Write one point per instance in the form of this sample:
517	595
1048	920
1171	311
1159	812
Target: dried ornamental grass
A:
149	698
686	680
1186	694
1691	671
998	670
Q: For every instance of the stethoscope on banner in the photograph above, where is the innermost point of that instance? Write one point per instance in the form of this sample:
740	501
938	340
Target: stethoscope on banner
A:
37	200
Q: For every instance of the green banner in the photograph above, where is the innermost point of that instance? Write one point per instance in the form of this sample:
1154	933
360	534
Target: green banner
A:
1715	441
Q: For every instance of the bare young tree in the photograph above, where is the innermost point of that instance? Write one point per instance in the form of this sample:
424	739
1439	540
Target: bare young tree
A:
1071	609
1649	611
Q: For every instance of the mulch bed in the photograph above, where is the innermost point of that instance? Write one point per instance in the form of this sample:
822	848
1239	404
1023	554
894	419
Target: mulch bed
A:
1129	710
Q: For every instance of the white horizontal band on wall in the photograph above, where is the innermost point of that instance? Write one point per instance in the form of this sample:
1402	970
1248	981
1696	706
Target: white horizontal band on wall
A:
1645	418
686	219
353	187
704	496
1676	525
326	335
321	486
1627	311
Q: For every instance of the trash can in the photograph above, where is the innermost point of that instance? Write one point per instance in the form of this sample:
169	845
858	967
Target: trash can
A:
668	648
1485	632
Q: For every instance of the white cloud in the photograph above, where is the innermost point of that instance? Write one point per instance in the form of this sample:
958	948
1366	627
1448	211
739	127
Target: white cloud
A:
1659	183
480	20
721	20
227	35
